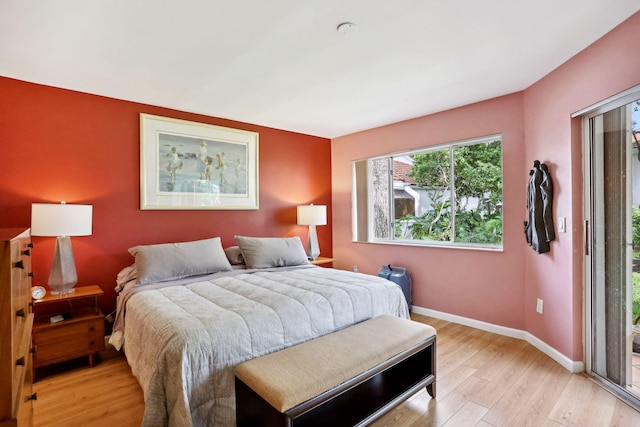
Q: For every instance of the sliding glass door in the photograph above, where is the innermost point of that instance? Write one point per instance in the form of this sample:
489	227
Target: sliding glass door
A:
612	172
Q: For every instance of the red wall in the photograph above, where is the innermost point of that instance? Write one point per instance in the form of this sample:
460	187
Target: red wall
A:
64	145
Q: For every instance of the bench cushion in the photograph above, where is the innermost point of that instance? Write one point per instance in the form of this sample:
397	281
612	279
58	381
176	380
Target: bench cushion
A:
296	374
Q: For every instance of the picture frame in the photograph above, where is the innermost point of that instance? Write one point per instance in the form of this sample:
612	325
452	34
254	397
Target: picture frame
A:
187	165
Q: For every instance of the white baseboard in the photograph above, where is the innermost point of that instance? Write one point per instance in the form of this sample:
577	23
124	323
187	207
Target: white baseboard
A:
574	366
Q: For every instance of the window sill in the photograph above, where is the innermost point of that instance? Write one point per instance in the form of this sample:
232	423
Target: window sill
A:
439	245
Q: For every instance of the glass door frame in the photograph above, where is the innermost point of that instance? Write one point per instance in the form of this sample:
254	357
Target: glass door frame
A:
589	194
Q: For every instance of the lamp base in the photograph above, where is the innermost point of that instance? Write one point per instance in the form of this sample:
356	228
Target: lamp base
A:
313	248
63	276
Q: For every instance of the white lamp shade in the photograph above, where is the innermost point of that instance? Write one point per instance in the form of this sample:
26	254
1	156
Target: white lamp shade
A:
312	215
48	219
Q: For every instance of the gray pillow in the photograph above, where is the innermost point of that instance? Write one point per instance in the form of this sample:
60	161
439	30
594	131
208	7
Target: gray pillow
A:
170	261
234	255
265	252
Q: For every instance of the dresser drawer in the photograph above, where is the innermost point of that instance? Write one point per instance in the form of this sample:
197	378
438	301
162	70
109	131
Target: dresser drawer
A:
21	273
22	373
21	327
67	340
25	410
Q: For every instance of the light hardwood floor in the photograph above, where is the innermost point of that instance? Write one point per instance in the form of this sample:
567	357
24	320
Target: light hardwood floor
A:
483	380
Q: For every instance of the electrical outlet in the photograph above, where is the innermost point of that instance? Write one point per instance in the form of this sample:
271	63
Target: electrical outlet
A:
539	306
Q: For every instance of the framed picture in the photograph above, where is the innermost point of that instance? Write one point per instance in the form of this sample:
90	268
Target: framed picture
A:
189	165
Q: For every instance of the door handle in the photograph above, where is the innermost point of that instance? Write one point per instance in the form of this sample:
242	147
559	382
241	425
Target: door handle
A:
586	237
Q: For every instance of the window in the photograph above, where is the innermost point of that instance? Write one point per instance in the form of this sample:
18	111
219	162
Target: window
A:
445	195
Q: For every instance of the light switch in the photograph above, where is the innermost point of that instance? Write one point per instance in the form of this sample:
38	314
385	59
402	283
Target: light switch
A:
562	224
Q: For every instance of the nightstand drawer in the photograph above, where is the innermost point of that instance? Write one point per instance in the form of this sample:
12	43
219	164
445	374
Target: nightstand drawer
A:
67	340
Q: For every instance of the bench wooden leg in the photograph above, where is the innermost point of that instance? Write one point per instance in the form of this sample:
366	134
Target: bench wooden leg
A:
431	389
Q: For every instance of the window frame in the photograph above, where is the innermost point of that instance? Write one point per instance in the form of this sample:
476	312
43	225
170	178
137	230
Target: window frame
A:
370	237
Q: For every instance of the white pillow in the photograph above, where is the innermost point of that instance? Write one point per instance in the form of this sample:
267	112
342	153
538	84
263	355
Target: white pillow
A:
170	261
265	252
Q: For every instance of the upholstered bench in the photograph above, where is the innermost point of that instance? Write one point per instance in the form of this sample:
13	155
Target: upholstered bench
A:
346	378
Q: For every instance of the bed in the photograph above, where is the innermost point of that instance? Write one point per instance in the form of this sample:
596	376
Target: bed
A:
183	333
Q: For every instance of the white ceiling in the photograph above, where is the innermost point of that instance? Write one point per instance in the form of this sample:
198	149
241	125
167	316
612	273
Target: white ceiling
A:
282	64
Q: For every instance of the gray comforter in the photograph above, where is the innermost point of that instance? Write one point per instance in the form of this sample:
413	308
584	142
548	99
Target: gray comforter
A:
183	341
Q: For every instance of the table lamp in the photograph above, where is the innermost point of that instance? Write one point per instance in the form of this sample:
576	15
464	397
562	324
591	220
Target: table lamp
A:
61	221
312	215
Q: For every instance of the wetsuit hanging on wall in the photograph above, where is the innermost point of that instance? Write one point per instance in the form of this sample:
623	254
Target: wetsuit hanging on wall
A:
539	229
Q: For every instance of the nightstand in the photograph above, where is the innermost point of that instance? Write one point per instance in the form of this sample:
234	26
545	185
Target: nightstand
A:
81	333
322	260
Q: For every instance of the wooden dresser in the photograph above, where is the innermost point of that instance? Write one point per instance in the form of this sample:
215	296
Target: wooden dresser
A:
16	322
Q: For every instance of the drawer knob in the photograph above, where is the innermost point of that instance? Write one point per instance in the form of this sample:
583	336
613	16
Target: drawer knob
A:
34	396
26	252
20	312
20	361
30	245
19	264
30	274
